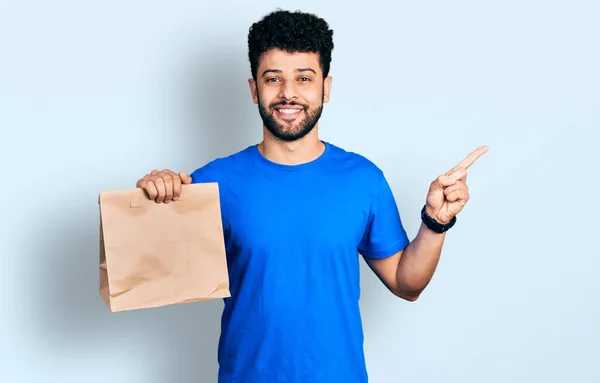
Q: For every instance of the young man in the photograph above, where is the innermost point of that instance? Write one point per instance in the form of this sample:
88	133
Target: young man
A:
297	211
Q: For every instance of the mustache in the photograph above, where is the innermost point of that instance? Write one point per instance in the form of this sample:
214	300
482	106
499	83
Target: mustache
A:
284	103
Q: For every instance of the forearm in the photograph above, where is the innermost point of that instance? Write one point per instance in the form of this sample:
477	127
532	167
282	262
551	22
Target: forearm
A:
419	261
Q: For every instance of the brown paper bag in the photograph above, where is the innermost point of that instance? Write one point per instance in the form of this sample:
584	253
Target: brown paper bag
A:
155	254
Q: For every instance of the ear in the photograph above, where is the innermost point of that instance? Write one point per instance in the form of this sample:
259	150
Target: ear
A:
253	90
327	88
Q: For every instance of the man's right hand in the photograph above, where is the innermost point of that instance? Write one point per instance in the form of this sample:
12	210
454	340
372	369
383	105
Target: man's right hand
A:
163	186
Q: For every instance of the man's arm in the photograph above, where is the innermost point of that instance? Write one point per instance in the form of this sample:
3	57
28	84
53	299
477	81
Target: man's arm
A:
409	271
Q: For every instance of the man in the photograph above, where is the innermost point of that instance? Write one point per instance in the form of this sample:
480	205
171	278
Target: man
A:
296	213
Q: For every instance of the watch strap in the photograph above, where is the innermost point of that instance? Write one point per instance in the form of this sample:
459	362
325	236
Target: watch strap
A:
434	225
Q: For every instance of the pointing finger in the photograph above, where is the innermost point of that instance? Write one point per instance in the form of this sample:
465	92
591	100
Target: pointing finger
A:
471	158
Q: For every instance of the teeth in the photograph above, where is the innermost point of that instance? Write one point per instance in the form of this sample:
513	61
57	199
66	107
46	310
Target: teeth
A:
288	111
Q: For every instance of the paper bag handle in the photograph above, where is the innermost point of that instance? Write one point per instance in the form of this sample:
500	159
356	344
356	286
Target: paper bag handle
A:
134	200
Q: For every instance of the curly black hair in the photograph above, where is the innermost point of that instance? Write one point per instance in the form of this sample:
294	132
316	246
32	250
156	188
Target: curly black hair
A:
291	32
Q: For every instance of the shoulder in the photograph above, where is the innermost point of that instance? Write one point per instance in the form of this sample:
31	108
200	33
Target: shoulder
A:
354	163
222	167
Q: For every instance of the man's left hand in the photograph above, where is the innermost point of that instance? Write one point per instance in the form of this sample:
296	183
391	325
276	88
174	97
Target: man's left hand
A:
449	193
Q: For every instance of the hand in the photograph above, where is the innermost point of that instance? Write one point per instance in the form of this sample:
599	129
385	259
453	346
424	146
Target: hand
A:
163	186
449	193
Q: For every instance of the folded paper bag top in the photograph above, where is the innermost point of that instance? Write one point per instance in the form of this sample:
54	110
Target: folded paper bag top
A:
156	254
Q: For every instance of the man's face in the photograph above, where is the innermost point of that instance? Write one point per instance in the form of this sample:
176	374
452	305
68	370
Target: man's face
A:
290	93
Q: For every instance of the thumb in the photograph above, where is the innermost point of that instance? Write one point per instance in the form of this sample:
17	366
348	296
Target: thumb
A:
442	182
458	174
185	179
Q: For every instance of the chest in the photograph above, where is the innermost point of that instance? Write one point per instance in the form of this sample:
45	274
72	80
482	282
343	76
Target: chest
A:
272	218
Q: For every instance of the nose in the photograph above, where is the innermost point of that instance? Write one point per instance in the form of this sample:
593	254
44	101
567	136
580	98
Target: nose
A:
287	90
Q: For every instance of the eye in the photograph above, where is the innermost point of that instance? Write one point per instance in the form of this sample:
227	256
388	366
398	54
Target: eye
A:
272	79
304	79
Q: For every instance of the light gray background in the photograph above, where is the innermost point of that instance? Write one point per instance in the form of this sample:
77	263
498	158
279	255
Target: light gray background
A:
94	95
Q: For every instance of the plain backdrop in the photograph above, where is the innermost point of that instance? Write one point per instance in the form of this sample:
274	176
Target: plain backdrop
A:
93	95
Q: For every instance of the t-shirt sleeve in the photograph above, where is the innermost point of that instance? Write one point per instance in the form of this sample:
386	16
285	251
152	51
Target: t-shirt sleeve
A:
384	233
198	176
204	174
210	173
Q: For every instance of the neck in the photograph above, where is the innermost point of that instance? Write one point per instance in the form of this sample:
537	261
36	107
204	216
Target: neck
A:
301	151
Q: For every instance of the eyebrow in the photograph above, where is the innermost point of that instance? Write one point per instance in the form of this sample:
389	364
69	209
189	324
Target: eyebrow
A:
298	70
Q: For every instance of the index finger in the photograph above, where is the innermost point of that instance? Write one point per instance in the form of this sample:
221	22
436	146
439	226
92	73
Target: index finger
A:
471	158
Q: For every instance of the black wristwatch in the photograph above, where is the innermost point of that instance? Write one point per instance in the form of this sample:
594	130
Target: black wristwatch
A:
434	225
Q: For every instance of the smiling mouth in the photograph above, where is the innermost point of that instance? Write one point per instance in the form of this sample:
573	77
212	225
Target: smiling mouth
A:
288	113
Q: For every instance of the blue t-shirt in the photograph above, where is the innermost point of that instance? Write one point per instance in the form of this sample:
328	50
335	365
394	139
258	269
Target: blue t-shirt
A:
293	237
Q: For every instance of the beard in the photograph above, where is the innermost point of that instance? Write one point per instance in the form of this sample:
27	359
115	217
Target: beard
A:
294	130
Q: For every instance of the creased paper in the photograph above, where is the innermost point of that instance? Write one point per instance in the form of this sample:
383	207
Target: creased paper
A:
156	254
